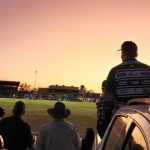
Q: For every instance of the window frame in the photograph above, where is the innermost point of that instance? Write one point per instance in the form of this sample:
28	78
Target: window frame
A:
111	126
133	125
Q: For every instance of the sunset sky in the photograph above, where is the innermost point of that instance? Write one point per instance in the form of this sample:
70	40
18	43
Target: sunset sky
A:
69	42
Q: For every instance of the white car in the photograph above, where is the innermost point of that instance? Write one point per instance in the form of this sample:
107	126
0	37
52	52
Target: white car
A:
129	129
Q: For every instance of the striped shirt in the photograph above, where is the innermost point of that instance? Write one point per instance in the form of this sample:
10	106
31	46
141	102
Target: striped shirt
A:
130	79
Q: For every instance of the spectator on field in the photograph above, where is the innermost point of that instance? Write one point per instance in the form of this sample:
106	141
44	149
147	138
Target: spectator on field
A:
130	79
58	134
15	132
2	113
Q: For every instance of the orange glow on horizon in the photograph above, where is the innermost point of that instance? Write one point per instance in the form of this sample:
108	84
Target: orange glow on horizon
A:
69	42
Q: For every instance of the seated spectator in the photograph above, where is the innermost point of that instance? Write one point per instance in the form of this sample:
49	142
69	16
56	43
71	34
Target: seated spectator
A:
58	134
15	132
2	113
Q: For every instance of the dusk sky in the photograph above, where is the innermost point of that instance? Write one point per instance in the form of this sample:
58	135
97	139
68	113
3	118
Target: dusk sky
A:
69	42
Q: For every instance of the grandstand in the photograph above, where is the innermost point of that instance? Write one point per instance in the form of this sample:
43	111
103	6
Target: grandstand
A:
8	88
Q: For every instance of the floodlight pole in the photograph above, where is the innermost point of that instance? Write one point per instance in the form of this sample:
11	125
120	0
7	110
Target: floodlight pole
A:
35	74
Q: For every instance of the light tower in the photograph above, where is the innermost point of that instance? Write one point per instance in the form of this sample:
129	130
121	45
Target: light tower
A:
35	74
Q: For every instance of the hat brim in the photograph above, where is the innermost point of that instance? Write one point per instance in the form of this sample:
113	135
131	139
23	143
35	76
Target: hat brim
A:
119	49
66	113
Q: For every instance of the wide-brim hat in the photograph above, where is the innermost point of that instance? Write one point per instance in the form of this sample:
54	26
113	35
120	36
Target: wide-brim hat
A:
59	111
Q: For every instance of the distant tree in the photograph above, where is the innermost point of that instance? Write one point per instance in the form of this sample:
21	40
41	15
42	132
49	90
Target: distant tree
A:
90	91
24	87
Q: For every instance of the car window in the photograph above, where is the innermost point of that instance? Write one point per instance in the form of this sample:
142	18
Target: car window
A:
136	140
117	133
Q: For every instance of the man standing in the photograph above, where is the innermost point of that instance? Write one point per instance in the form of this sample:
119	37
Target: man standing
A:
15	132
104	111
131	78
58	134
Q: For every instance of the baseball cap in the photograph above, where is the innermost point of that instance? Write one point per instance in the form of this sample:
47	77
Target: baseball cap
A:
128	47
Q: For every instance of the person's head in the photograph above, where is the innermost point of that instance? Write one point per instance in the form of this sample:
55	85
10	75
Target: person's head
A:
128	50
1	112
19	109
59	111
103	85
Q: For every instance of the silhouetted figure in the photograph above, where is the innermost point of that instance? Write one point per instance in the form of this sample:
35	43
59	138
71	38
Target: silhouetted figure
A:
2	113
15	132
1	117
87	142
104	112
131	78
58	134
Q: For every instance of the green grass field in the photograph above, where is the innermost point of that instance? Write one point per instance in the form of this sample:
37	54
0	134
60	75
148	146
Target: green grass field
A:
83	115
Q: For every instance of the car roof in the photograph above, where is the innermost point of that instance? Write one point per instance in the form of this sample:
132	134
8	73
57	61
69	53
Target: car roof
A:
137	101
138	105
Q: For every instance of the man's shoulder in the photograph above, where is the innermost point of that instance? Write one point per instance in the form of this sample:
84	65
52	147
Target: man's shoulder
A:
136	63
60	124
25	124
69	123
13	120
116	67
144	65
127	64
46	126
7	119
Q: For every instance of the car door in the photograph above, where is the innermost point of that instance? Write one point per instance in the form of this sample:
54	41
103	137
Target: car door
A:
127	131
116	133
